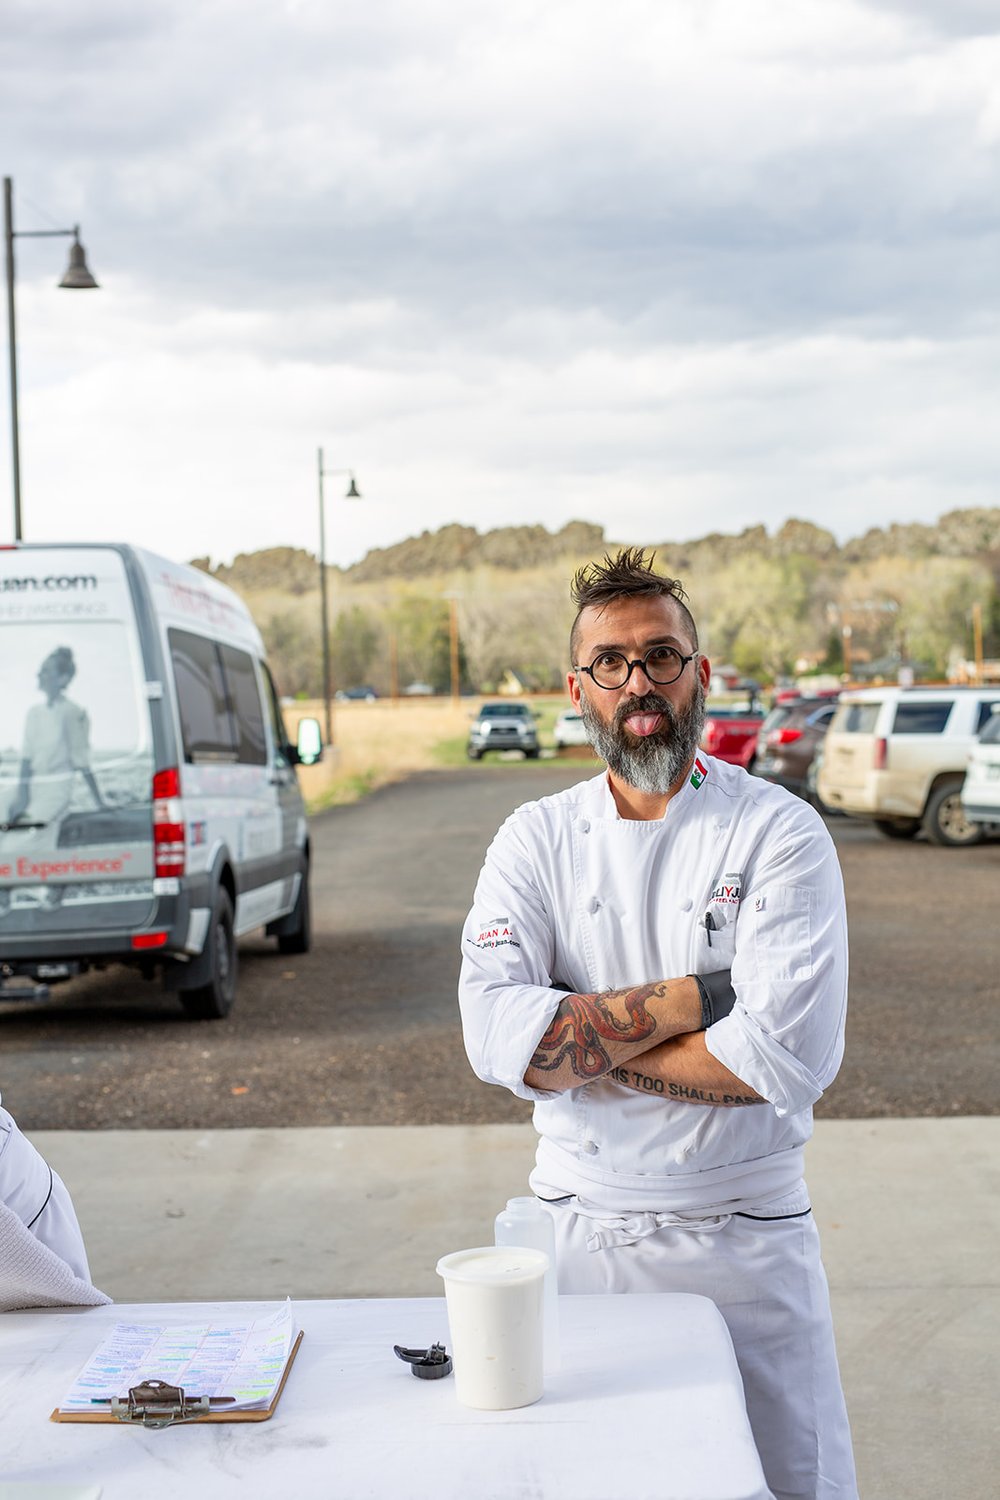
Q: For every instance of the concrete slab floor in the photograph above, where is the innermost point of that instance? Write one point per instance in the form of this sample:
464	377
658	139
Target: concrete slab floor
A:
908	1211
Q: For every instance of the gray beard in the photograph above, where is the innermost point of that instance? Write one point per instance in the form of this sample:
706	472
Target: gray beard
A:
655	763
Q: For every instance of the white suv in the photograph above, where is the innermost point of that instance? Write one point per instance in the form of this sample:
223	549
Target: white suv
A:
898	756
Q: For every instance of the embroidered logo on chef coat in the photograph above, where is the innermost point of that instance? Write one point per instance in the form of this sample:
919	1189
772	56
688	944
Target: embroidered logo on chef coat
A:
699	772
727	889
497	932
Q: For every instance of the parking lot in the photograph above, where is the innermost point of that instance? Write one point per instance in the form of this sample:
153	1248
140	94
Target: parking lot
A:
364	1029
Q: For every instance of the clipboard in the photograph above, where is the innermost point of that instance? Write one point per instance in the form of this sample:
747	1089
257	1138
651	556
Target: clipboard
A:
170	1407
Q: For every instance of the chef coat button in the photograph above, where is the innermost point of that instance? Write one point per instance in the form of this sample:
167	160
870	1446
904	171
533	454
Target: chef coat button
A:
682	1156
594	904
686	904
584	826
590	1147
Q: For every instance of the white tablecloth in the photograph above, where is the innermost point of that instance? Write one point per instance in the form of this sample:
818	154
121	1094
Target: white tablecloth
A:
648	1405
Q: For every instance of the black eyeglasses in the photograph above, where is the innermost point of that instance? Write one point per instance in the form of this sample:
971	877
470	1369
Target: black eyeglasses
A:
661	664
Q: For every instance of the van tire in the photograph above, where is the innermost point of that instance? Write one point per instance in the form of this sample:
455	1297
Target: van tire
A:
945	822
298	938
898	828
214	1000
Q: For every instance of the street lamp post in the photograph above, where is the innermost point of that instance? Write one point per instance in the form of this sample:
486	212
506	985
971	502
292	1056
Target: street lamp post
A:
353	493
77	278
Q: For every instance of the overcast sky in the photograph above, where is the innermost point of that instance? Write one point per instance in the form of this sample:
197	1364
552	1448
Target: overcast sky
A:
671	266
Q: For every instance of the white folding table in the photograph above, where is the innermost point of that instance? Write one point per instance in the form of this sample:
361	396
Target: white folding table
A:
647	1405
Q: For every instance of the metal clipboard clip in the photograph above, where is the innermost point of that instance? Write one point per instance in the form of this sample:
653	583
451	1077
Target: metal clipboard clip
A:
154	1403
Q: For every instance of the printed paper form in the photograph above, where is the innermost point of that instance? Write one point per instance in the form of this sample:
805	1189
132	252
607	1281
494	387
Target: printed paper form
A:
241	1360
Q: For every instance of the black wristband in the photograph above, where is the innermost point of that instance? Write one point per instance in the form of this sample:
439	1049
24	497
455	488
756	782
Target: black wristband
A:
717	996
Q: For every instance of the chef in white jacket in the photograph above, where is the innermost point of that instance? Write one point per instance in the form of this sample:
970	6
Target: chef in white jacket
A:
672	1110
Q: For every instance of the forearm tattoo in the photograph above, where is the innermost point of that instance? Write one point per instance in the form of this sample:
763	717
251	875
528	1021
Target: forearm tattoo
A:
648	1085
583	1023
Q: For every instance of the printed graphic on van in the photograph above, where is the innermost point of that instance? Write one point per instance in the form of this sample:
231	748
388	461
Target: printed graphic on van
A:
75	755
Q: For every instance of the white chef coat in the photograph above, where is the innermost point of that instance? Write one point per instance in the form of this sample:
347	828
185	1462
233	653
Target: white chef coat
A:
39	1198
572	894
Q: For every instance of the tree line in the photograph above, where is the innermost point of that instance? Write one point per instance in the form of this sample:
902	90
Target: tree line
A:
772	605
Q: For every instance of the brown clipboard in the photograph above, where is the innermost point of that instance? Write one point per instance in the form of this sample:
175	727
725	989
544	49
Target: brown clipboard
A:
259	1414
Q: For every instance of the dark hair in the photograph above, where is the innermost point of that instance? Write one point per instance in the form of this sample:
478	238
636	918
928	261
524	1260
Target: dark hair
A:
62	658
627	575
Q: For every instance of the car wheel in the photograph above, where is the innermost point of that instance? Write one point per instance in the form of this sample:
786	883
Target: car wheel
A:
531	754
298	938
214	999
898	828
473	753
945	821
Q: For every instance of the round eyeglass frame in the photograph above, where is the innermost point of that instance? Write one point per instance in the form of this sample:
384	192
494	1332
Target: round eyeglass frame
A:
640	661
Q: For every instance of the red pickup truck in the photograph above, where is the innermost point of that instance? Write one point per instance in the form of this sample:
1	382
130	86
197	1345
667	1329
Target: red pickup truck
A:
730	733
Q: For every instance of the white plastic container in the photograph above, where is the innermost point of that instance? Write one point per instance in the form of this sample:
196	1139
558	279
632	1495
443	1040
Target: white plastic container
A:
494	1296
526	1221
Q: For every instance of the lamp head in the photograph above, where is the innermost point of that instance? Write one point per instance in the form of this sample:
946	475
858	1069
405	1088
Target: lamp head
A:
78	277
353	493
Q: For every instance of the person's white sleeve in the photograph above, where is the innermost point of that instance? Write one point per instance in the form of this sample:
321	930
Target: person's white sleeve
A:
785	1035
39	1197
78	735
505	990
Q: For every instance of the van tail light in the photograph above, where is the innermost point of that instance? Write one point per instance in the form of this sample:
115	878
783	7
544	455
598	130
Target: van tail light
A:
784	736
143	940
168	824
881	758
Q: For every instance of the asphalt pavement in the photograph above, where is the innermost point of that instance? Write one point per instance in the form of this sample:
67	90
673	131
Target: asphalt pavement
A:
364	1029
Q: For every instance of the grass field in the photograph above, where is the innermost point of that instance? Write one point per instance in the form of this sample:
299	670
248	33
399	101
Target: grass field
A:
377	743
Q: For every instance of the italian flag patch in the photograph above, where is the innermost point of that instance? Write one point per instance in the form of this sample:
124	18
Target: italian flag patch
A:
699	773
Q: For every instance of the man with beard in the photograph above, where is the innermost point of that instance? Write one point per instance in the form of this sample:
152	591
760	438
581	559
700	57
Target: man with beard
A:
658	958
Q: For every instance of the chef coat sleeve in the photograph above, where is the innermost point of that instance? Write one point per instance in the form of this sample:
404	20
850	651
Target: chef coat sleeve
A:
785	1035
505	989
39	1197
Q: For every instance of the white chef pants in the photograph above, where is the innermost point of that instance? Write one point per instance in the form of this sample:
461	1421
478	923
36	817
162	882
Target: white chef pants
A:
767	1279
39	1198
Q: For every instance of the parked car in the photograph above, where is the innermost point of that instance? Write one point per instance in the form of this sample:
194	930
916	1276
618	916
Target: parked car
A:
356	695
898	757
730	734
569	729
787	741
812	783
981	788
503	726
153	816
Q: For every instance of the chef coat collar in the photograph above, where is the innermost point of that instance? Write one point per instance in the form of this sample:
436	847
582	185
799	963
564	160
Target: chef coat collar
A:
605	806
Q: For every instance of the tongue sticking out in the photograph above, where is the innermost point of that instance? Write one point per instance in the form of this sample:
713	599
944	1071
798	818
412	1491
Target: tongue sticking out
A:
644	724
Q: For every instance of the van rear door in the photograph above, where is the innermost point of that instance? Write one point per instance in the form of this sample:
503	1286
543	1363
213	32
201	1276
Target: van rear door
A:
76	760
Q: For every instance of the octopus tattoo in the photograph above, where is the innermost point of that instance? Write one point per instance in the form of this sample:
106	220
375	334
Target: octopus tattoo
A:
582	1024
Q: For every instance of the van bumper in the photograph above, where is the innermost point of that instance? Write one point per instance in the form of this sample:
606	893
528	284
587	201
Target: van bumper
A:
177	915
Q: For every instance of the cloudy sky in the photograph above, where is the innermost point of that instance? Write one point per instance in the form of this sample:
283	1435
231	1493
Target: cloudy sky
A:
670	266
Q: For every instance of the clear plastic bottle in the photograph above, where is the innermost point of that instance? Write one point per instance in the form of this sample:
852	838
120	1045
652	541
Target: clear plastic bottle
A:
528	1223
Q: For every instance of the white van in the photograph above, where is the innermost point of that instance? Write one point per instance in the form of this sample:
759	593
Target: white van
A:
149	807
